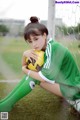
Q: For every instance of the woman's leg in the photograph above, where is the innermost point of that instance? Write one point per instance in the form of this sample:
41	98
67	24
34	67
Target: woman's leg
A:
53	88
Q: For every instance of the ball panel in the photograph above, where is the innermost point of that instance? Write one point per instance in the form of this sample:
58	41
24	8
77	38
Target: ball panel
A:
36	65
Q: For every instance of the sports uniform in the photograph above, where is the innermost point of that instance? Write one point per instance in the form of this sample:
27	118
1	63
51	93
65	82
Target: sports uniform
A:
61	68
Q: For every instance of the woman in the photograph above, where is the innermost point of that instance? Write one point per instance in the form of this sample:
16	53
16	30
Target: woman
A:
59	74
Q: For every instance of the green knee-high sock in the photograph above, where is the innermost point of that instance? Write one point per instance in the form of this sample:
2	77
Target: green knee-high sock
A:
22	89
20	83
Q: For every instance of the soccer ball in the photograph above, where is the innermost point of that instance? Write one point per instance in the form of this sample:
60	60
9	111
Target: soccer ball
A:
36	65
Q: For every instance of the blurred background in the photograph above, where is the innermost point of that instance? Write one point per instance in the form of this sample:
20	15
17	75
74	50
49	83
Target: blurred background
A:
62	18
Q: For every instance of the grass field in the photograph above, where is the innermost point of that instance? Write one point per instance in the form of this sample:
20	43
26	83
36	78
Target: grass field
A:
39	104
12	54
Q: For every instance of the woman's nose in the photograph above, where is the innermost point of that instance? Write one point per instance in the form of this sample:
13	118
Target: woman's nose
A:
34	44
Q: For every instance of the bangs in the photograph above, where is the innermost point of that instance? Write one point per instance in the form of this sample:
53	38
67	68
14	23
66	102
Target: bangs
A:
33	32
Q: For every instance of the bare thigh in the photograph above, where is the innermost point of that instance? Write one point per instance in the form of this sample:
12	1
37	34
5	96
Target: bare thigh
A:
53	88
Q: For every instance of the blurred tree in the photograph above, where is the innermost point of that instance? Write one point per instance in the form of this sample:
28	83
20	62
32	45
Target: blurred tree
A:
3	30
77	28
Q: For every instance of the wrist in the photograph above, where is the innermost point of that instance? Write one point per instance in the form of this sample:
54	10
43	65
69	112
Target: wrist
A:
26	71
24	54
29	71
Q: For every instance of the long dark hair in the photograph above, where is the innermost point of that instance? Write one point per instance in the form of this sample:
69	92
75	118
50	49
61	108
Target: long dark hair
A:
34	28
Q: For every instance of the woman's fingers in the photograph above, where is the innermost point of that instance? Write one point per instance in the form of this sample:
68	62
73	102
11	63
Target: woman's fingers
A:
34	56
31	54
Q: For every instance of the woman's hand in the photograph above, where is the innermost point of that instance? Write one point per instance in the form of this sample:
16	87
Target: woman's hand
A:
30	54
24	69
32	74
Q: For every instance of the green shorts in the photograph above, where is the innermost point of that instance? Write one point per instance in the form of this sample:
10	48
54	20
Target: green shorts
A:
70	92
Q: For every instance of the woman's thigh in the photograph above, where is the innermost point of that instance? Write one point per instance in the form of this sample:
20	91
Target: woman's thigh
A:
53	88
70	92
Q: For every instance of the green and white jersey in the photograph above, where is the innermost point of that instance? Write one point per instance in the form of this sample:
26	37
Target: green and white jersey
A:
59	65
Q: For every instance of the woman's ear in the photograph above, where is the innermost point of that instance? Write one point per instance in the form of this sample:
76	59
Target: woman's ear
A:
45	36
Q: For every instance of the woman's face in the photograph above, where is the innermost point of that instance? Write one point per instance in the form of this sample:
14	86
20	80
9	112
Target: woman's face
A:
38	42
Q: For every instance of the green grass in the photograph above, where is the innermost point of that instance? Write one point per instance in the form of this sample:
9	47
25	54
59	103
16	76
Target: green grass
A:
1	76
12	54
14	61
39	104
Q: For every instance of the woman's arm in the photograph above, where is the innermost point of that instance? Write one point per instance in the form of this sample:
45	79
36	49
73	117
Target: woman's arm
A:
33	74
28	54
23	60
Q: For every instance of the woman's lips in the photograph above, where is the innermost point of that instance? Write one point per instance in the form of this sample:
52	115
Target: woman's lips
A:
36	48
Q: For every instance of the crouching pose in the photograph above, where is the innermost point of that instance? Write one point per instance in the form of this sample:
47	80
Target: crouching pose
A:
59	74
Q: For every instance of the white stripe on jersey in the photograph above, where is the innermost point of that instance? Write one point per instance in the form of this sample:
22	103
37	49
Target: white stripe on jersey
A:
49	40
46	79
48	54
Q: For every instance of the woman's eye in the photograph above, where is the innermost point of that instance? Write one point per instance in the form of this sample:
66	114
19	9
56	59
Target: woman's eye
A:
36	39
30	41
